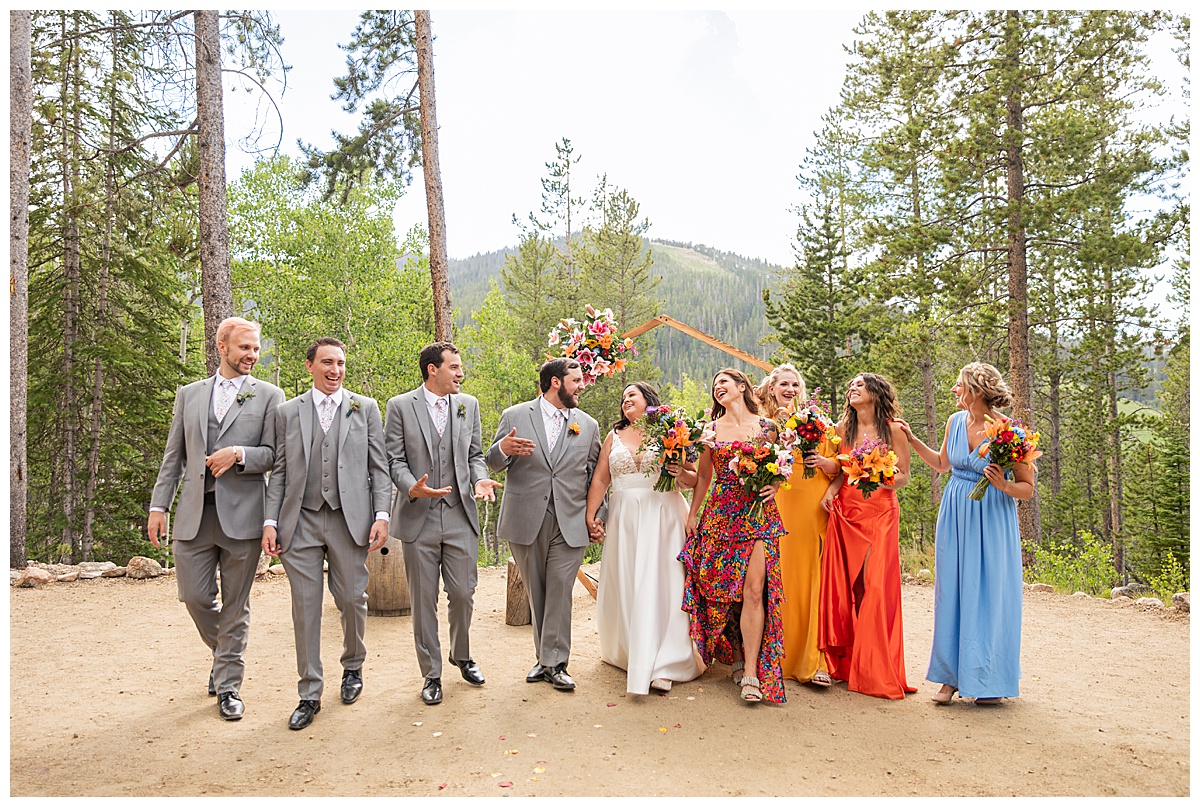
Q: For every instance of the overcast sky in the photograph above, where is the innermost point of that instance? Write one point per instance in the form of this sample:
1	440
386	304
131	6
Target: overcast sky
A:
703	116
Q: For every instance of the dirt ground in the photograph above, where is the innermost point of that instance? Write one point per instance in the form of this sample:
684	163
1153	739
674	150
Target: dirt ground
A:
108	698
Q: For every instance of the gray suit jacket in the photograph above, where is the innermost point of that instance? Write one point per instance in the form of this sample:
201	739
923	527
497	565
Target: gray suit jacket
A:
566	472
409	437
363	482
240	490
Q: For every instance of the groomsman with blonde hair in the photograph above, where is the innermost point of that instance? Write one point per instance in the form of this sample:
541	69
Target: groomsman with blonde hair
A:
219	448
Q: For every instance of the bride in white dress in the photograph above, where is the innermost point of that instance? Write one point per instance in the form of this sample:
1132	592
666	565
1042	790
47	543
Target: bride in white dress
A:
643	630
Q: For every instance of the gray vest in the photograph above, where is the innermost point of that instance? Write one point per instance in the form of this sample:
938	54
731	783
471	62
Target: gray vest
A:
214	428
441	473
321	487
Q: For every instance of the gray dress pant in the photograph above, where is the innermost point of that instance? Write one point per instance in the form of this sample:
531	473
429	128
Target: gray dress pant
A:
548	567
224	627
447	543
322	534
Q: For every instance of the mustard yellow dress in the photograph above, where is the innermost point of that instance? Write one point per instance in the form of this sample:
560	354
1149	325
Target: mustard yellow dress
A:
800	552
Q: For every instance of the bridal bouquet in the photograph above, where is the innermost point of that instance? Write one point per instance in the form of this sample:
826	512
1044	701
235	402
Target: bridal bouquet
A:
594	343
869	465
805	428
758	463
1007	444
674	437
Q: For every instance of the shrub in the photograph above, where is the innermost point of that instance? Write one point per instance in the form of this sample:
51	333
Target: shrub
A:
1170	579
1086	565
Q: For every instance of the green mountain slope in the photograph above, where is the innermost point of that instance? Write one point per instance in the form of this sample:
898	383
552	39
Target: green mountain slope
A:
717	292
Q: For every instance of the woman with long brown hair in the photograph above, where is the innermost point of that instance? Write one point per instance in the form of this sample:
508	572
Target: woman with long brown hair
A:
861	630
733	588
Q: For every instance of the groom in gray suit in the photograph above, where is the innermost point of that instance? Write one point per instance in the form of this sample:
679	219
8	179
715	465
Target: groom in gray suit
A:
436	459
549	449
327	500
220	446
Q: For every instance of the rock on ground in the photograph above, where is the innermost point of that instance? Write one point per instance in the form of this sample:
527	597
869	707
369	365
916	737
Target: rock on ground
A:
1132	590
925	574
140	568
1153	602
1041	587
118	571
1082	594
69	577
34	577
1182	602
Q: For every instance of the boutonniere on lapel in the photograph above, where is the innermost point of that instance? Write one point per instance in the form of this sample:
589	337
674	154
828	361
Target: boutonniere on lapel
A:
354	405
573	428
243	397
462	411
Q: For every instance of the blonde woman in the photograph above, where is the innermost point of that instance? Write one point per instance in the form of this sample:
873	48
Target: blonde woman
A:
977	594
801	547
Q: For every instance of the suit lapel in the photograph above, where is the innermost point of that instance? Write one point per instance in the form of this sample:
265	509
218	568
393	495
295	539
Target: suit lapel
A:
344	412
235	408
539	428
421	413
205	404
306	423
462	434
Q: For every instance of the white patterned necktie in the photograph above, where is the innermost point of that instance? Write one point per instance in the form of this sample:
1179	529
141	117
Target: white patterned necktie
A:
555	428
326	414
224	399
439	415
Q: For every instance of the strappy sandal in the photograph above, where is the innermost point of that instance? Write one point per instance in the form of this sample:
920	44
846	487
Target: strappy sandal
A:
738	666
661	684
944	698
821	679
751	691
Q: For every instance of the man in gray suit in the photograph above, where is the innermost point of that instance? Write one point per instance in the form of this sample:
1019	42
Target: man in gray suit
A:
549	449
220	446
435	454
327	500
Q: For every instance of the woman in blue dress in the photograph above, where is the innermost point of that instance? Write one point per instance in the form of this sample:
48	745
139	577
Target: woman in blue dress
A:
977	584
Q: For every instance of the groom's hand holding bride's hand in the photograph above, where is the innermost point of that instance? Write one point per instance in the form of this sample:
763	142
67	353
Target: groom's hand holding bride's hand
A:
422	491
514	446
596	530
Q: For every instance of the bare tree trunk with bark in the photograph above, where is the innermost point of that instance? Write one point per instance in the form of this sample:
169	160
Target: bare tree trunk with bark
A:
20	123
438	264
1020	367
72	78
214	230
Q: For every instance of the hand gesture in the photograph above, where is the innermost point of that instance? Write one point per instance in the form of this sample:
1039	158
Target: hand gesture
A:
814	460
826	502
485	489
420	490
270	541
692	525
768	493
514	446
904	427
379	535
596	530
156	526
673	467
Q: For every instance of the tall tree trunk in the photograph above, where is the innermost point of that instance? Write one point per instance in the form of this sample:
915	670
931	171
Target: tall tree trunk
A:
101	326
438	264
1020	366
20	123
214	230
71	120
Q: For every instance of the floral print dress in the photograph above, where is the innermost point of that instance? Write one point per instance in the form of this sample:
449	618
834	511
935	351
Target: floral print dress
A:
715	560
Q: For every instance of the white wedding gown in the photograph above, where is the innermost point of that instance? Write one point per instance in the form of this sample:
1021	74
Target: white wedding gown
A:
642	628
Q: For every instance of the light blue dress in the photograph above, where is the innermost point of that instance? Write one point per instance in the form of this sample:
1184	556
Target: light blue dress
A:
977	588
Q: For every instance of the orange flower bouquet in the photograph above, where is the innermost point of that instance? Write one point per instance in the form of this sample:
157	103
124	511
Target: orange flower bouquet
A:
674	437
870	464
1006	444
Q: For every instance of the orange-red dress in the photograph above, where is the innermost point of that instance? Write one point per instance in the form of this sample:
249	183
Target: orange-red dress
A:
862	634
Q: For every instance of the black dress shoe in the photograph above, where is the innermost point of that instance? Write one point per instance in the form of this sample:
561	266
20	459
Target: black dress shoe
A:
538	673
559	679
470	671
351	685
432	693
212	687
303	714
231	706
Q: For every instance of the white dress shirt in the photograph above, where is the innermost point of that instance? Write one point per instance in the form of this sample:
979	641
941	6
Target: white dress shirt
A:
431	404
549	413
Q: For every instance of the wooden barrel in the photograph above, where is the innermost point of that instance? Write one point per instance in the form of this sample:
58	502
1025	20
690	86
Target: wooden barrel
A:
387	586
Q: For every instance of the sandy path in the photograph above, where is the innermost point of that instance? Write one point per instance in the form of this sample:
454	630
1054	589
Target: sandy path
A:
108	698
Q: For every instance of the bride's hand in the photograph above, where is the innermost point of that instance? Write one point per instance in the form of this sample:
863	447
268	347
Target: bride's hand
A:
673	467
